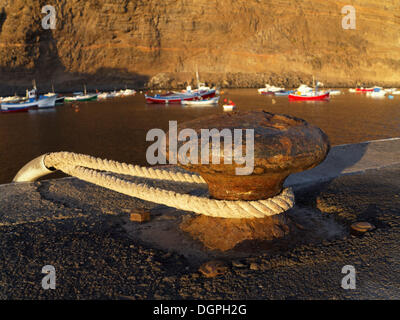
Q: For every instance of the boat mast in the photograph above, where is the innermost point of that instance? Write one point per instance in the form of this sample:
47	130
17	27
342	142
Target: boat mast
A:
84	87
197	77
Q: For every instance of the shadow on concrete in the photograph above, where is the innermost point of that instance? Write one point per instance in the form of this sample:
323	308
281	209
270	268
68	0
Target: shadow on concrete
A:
313	185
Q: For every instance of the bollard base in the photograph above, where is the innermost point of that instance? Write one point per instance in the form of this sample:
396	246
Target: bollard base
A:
225	234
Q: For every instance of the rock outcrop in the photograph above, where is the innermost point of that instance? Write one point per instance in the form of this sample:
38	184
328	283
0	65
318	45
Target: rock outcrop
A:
234	43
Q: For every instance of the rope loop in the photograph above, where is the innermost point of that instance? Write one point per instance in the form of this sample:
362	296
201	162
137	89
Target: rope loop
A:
96	171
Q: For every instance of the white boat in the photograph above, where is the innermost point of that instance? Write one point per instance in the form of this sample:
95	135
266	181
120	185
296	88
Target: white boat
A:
270	89
207	102
396	92
107	95
42	103
352	90
376	94
128	92
82	98
304	89
335	92
59	99
229	107
12	99
390	90
47	102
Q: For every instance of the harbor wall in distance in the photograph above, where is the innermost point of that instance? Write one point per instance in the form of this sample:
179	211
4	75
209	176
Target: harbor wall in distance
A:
234	43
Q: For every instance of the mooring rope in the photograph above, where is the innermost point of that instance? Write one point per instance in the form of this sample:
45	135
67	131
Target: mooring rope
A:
96	171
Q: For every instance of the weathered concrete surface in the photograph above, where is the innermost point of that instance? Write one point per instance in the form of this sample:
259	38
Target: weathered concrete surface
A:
84	231
351	159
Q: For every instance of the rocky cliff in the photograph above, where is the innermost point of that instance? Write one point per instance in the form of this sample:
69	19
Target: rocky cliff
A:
236	43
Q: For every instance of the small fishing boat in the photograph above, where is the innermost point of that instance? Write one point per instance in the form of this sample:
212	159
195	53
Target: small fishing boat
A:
82	98
128	92
305	93
390	90
309	97
206	102
59	99
47	102
283	93
19	107
376	94
173	98
396	92
335	92
362	90
269	90
107	95
12	99
229	107
32	102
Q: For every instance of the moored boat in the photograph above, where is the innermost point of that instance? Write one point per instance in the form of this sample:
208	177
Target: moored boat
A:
229	107
82	98
107	95
363	90
309	97
59	99
376	94
269	90
173	98
305	93
47	102
283	93
206	102
128	92
11	99
19	107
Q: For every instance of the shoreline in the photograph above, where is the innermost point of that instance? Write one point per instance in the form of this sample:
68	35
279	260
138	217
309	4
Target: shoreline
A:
178	81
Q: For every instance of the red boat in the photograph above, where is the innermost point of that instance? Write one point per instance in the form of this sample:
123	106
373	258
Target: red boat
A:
364	90
173	98
314	97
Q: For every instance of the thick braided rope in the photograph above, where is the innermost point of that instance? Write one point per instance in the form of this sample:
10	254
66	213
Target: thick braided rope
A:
200	205
61	159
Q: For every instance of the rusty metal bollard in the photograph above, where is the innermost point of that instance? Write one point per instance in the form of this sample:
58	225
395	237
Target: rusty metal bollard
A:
282	145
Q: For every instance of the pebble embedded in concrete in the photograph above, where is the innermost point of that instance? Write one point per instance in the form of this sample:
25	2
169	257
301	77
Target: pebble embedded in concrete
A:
140	216
213	268
362	226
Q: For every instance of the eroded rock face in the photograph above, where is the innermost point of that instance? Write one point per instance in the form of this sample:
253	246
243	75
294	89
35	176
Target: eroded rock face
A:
282	145
243	43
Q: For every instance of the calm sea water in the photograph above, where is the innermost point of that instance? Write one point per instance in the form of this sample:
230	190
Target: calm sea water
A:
116	129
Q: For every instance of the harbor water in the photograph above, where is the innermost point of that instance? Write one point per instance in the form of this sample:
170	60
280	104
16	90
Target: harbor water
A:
116	128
